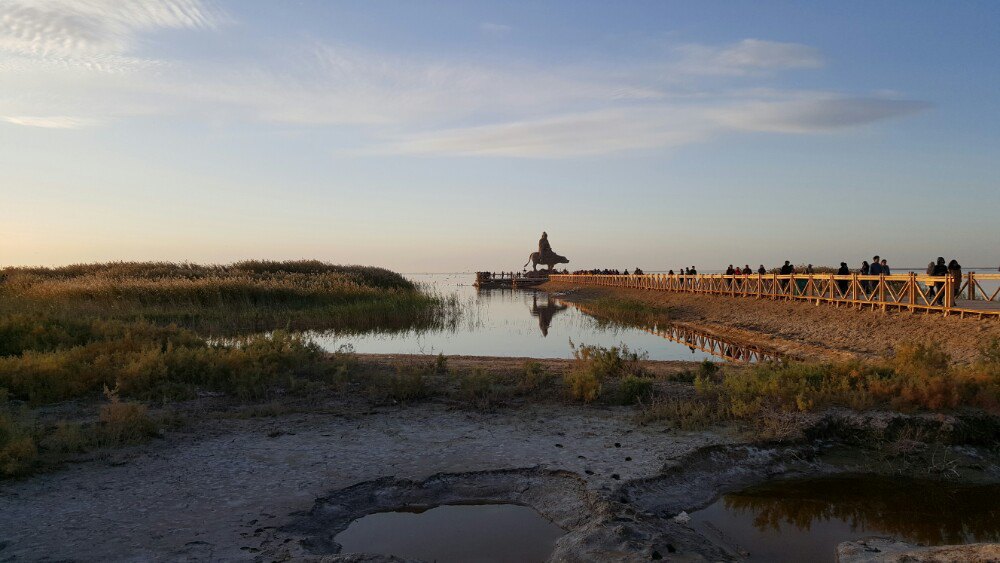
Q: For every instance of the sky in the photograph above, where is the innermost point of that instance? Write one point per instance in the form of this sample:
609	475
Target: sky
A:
439	136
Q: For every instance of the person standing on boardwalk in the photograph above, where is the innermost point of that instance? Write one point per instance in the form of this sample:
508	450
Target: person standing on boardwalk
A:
762	270
940	270
885	268
876	268
786	270
955	271
843	285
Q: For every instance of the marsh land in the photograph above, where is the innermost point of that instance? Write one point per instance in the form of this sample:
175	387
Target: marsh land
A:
218	412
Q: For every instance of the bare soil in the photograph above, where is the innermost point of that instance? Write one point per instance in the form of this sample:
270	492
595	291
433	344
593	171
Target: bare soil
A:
807	330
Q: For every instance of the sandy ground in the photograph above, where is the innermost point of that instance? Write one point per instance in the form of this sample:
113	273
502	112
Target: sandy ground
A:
808	330
220	493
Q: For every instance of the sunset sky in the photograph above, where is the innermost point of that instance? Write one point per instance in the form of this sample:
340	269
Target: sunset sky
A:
445	136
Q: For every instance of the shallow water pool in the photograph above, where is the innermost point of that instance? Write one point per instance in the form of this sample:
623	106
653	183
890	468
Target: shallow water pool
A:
493	533
804	520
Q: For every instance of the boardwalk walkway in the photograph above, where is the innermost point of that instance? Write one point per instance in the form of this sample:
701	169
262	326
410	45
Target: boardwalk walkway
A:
977	295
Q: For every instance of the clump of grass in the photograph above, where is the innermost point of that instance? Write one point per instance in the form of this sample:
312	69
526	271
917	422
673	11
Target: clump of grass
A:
124	422
684	414
592	365
481	390
633	389
18	450
408	383
534	377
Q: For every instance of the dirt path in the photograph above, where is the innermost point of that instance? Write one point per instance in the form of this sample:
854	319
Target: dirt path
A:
222	493
809	330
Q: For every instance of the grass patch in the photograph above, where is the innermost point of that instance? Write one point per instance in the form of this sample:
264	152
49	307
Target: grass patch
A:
765	398
593	365
629	312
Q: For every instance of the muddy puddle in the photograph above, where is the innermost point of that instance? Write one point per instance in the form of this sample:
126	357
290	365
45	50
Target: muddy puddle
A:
805	519
497	533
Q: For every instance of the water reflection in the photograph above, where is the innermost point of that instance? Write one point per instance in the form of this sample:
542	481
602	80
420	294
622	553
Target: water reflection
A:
496	533
545	312
495	323
800	517
697	339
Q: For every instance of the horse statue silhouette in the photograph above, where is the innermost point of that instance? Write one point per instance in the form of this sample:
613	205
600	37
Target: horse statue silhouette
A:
545	255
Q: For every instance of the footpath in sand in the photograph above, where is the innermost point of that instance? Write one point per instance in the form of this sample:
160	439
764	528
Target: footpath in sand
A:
803	329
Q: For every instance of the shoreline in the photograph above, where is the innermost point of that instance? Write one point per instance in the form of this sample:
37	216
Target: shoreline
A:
803	329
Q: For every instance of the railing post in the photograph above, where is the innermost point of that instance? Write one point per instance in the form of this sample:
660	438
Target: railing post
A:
949	293
913	291
972	286
881	290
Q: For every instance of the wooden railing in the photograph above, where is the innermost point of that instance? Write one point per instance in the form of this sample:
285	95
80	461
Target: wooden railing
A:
973	294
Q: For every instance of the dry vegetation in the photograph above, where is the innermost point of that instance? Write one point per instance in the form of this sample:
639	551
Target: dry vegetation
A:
150	332
765	397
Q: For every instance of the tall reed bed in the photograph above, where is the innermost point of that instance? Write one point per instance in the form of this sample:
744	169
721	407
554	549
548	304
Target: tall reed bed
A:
235	299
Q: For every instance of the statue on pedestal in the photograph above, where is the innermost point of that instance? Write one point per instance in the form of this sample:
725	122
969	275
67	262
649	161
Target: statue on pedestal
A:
545	255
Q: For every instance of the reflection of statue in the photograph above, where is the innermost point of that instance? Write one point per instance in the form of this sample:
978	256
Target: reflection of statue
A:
545	312
545	255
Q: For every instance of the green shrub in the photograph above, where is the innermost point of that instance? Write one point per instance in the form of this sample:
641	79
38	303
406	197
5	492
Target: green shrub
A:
632	389
18	451
534	377
583	384
122	422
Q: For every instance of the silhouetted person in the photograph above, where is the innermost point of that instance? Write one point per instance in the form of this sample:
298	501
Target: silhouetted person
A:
940	270
786	270
955	271
876	268
809	269
843	285
885	268
762	270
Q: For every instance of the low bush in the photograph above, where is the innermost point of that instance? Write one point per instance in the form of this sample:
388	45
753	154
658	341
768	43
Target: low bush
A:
593	364
122	422
633	389
18	450
534	377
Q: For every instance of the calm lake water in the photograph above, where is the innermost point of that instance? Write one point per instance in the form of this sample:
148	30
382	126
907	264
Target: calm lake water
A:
804	520
490	533
512	323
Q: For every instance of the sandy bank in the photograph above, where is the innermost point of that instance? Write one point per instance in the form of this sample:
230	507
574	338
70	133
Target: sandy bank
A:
808	330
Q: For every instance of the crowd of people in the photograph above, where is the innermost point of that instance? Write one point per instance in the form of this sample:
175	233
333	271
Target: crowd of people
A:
877	267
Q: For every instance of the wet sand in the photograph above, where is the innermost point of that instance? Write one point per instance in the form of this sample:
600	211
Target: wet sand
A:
803	329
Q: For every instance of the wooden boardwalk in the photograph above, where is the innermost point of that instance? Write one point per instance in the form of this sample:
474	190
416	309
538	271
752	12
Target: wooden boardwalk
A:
975	295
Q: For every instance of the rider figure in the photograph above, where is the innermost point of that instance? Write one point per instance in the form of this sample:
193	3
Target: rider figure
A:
544	249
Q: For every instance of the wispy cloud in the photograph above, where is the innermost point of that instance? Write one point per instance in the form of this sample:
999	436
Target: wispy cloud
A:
815	115
657	126
74	63
494	29
87	29
49	122
746	57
